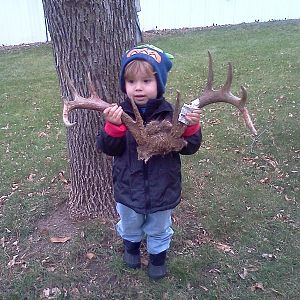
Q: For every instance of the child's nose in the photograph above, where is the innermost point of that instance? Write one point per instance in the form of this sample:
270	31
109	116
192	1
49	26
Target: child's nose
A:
138	86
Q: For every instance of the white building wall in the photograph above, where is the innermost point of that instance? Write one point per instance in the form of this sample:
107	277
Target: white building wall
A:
22	21
168	14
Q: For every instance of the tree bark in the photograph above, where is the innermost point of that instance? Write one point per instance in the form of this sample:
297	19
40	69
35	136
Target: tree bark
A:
90	36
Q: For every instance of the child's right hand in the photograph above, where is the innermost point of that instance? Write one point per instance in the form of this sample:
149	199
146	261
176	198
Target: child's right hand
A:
113	114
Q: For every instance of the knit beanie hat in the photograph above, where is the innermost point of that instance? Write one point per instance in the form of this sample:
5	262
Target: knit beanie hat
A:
159	60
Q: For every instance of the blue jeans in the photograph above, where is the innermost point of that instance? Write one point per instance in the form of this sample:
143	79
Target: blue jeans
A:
156	227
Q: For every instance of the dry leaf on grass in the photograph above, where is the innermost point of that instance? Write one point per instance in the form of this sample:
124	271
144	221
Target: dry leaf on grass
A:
62	177
277	292
51	293
51	269
90	255
225	248
288	199
252	268
264	180
269	256
56	239
244	273
12	262
31	177
42	134
257	286
204	288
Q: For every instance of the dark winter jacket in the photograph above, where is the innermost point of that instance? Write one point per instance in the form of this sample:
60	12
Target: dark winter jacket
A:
152	186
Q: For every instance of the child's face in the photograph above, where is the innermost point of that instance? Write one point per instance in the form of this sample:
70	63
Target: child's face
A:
141	87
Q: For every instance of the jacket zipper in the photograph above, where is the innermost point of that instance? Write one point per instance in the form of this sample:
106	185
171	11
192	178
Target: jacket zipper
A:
146	186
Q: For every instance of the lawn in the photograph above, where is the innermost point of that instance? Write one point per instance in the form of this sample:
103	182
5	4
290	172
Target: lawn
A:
237	228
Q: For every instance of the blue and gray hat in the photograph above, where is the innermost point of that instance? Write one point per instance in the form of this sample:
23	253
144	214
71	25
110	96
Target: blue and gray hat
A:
159	60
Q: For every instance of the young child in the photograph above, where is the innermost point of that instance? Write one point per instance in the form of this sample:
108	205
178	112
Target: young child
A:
146	193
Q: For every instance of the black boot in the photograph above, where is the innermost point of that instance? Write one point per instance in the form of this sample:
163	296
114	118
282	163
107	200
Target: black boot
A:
157	265
132	256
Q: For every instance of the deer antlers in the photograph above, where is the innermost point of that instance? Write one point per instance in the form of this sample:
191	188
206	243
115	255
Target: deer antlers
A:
93	102
224	94
164	136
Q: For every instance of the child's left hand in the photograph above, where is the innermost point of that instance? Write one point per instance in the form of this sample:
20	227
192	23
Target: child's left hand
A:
193	117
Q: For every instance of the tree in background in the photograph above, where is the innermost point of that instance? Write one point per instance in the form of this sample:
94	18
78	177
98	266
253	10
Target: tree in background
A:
90	36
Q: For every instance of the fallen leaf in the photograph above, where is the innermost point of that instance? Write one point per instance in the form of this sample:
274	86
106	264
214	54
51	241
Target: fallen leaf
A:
31	177
206	173
62	177
224	248
42	134
264	180
244	273
217	271
51	293
287	198
269	256
252	268
204	288
12	262
14	187
257	286
276	292
2	199
51	269
23	265
56	239
90	255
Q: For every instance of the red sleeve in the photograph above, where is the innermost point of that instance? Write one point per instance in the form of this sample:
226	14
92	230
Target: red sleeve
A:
190	130
113	130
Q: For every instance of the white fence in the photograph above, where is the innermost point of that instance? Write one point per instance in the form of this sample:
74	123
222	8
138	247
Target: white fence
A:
22	21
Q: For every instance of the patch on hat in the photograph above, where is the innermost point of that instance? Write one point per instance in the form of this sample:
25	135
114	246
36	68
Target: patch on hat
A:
154	54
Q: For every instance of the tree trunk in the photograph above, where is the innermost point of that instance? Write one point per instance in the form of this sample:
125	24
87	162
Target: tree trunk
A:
90	36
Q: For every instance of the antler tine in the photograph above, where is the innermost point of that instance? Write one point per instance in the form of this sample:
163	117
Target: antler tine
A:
227	85
135	127
66	108
138	118
244	96
177	108
224	94
241	102
93	102
177	127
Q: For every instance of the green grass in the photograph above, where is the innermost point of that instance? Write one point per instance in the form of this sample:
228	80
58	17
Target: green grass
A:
240	194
